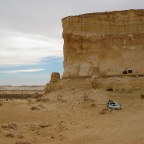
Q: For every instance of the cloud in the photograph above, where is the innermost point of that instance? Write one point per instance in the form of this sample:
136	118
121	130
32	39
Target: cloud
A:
33	28
24	71
18	48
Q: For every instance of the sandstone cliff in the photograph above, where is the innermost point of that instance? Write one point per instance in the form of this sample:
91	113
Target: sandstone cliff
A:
103	43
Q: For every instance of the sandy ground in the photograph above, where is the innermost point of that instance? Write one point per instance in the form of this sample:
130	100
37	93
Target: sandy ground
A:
73	116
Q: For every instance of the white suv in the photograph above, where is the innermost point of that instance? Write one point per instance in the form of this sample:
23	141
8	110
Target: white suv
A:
113	105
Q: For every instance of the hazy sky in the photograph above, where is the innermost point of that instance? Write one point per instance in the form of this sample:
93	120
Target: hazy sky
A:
31	44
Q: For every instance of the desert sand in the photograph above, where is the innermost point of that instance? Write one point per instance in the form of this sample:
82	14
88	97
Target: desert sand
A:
74	115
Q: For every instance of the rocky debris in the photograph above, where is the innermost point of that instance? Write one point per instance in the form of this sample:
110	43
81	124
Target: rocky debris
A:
20	94
58	137
9	126
55	77
34	129
9	134
94	80
20	136
110	89
12	134
142	96
22	142
44	100
11	130
60	98
47	88
105	110
29	101
61	126
86	98
34	108
40	106
37	95
53	137
60	120
1	104
93	105
61	137
96	72
44	125
94	83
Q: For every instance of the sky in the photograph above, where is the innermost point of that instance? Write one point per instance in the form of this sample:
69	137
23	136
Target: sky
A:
31	43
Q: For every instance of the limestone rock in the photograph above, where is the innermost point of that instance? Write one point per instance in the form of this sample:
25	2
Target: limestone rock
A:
47	88
103	43
22	142
94	83
55	77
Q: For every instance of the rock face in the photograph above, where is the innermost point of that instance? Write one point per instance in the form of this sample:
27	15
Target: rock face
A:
104	43
55	77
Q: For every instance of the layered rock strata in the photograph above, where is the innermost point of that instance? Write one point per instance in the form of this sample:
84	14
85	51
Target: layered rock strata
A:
103	43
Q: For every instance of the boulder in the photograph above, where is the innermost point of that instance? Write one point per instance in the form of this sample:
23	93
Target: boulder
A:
22	142
55	77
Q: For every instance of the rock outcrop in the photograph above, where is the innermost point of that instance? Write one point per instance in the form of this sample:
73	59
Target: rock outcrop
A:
55	77
103	43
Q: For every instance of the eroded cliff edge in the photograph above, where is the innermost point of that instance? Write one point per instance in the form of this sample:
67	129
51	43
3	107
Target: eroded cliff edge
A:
103	43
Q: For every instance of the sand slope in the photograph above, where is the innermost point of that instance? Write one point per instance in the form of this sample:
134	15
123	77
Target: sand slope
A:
73	116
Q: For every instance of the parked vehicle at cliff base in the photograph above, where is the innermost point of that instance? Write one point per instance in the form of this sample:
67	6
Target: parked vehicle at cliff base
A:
113	105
